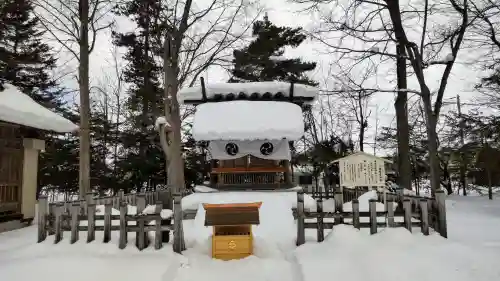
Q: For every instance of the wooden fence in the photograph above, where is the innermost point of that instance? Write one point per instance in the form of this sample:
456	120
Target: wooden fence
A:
348	194
55	218
429	213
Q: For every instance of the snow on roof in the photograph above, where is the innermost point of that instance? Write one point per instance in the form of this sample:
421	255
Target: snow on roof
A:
363	154
248	120
224	89
16	107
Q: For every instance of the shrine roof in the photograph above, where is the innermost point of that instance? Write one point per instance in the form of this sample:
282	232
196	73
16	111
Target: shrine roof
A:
232	214
271	90
248	120
18	108
362	154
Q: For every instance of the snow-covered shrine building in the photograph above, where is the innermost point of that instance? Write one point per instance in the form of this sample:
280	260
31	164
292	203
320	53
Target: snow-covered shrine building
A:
22	123
248	127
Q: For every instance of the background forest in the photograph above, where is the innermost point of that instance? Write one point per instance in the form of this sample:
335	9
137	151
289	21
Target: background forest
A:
410	53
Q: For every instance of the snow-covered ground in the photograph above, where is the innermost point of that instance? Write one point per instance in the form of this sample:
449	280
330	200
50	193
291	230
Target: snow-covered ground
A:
470	253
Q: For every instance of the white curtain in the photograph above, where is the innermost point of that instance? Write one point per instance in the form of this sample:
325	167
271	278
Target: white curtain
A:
265	149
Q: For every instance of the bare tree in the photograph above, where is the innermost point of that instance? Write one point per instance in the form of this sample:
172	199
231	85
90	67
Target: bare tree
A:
195	39
376	23
355	97
110	90
484	29
78	22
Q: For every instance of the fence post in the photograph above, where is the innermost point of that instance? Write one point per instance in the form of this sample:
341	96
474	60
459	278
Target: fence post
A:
91	223
121	194
123	226
301	236
141	235
407	213
75	222
165	196
355	213
89	199
158	224
50	218
42	218
58	221
385	198
107	222
441	212
424	216
319	220
339	207
390	212
134	199
373	215
179	244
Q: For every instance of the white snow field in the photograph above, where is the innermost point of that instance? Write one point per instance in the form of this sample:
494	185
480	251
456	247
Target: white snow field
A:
470	254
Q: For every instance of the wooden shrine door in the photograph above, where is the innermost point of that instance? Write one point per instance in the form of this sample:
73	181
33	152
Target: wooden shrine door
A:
11	166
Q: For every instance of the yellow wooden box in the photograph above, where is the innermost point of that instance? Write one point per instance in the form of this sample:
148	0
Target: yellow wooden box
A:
232	229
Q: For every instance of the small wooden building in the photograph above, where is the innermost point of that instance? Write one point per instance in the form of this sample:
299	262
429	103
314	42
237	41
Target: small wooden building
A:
249	127
232	236
22	123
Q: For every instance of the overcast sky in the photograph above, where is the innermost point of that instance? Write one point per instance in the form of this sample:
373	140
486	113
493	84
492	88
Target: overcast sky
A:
462	79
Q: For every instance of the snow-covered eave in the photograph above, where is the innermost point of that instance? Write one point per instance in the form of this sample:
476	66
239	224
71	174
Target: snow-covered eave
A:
361	153
270	91
17	108
248	120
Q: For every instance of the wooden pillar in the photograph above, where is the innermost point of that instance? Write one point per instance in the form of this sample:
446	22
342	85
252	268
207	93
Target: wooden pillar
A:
355	213
390	213
339	207
288	172
277	177
424	216
320	227
441	210
212	176
372	205
179	244
42	218
32	147
220	176
407	214
301	238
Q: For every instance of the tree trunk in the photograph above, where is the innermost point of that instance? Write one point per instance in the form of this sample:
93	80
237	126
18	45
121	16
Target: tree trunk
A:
433	150
403	131
463	177
83	73
143	143
175	168
463	168
362	121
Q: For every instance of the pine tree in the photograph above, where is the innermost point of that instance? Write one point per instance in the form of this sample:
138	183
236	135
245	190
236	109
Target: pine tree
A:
142	163
26	61
262	59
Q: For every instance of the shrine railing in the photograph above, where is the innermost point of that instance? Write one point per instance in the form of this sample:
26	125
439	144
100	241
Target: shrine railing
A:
274	176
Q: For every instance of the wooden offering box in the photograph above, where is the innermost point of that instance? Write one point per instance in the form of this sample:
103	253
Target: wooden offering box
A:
232	228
